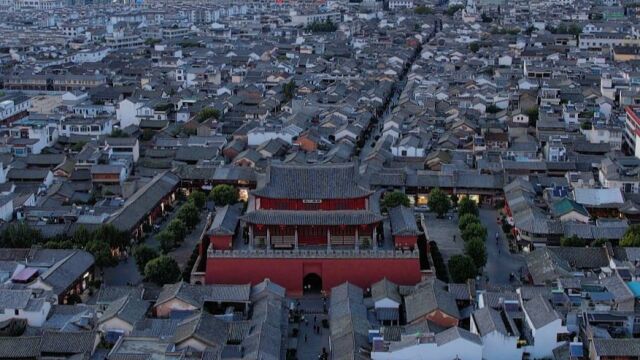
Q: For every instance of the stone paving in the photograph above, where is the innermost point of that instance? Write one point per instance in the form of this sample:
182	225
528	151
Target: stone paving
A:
443	231
311	343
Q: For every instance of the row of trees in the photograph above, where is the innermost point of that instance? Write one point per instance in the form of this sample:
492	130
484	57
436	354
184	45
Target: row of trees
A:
102	243
439	202
185	221
160	269
463	267
322	26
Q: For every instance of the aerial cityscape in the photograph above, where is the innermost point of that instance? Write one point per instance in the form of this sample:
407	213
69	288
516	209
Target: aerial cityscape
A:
320	179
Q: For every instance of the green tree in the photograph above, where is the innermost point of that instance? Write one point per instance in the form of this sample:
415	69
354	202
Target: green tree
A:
147	134
20	235
461	268
162	270
533	116
474	230
289	90
423	10
322	26
474	46
111	235
453	9
77	147
439	202
167	240
631	237
454	199
477	251
81	236
189	215
467	206
395	199
101	251
207	113
177	228
224	195
573	241
143	254
492	109
198	198
467	219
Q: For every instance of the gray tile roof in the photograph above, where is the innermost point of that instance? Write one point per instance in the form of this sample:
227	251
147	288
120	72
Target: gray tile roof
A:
546	266
143	201
616	347
348	321
20	347
75	342
14	299
335	181
67	270
403	221
385	289
203	327
455	333
226	220
196	295
428	299
489	320
128	308
540	312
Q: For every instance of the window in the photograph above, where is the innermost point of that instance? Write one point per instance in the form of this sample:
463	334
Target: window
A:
17	311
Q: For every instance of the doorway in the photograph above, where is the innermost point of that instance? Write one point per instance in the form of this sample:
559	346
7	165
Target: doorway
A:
312	284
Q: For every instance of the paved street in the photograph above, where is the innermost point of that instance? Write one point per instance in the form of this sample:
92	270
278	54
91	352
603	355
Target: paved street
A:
312	348
500	262
443	231
127	271
184	251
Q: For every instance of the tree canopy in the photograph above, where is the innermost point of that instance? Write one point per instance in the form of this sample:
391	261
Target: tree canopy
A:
19	235
394	199
207	113
477	251
162	270
224	195
573	241
439	202
474	230
189	215
198	198
143	254
423	10
466	220
461	268
467	206
631	237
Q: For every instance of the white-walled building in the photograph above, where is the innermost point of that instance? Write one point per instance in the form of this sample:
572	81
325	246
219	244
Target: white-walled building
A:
23	304
545	325
499	334
453	343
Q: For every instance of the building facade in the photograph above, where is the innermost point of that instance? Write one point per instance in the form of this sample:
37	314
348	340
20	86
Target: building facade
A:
310	229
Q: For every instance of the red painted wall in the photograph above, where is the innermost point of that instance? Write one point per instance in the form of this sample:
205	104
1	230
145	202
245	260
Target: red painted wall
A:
326	204
221	242
290	272
405	241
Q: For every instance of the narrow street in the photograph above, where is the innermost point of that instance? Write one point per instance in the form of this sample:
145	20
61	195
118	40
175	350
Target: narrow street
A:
500	262
126	271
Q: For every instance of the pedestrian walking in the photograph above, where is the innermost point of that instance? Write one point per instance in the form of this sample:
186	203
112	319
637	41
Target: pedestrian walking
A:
314	319
305	337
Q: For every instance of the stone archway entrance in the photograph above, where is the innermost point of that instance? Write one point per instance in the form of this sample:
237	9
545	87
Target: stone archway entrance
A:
312	284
